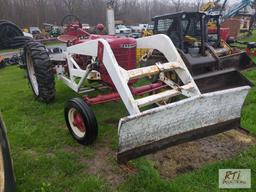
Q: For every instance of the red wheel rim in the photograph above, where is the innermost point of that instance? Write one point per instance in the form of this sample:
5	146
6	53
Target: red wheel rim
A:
78	122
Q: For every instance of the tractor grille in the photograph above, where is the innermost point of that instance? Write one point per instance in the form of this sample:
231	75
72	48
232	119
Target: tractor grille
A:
126	57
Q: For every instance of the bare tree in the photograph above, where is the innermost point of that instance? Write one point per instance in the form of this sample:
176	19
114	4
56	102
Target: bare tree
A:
35	12
177	5
198	4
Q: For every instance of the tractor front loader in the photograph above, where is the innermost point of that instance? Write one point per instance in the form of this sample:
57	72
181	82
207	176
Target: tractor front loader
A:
207	105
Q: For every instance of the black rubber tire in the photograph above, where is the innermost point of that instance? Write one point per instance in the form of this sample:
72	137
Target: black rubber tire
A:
2	20
10	27
151	60
89	120
19	41
43	71
9	179
8	31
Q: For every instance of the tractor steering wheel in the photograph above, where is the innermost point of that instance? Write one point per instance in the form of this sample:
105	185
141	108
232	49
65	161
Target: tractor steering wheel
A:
71	19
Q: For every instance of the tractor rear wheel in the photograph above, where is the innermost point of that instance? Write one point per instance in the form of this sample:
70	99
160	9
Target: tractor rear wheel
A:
81	121
39	71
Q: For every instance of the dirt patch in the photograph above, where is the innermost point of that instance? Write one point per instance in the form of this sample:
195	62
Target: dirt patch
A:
170	162
76	149
193	155
104	164
111	121
101	162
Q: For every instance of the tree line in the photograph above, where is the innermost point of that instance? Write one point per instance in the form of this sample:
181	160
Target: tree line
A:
35	12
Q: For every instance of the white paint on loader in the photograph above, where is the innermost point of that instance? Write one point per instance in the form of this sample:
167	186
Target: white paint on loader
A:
179	117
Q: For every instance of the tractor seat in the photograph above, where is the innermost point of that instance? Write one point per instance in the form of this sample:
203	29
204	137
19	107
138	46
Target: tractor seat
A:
67	38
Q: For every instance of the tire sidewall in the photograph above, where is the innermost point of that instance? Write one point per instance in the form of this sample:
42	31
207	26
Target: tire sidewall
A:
43	69
9	179
89	120
27	72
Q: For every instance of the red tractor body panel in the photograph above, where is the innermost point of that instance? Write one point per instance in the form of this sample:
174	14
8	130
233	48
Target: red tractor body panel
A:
124	49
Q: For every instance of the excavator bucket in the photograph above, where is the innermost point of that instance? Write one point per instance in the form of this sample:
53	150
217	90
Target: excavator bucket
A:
203	64
217	110
209	103
240	61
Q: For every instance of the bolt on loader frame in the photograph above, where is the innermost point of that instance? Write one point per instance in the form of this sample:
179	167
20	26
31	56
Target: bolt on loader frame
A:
210	104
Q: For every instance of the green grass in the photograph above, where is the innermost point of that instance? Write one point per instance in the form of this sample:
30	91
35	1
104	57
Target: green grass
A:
250	38
53	43
46	158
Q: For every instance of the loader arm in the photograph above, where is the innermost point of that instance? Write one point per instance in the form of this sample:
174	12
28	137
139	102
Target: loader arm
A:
197	115
121	77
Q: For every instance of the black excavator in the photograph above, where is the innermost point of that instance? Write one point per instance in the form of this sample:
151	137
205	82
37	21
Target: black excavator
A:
202	52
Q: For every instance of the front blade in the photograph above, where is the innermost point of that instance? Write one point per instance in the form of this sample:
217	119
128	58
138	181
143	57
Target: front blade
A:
178	122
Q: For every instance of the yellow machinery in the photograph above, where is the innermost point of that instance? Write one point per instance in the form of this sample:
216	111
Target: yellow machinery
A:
207	6
146	32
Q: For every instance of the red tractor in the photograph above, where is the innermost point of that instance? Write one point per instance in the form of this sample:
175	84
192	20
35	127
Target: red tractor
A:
207	105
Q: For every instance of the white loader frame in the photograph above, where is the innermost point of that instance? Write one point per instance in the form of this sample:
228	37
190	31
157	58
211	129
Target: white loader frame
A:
120	76
141	130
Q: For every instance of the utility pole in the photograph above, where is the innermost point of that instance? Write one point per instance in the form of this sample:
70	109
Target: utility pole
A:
110	17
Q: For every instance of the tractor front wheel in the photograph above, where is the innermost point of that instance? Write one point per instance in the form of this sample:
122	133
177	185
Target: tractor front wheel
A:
39	71
81	121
